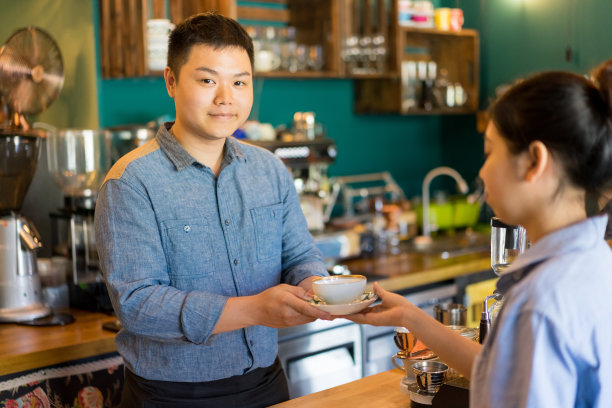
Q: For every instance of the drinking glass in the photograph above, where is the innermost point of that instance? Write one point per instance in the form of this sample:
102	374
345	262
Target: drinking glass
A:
315	57
507	242
301	57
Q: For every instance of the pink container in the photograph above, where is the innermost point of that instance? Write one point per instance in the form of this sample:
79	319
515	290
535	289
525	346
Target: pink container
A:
456	19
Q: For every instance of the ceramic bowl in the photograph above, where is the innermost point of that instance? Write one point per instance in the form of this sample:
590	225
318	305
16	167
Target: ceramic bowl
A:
339	290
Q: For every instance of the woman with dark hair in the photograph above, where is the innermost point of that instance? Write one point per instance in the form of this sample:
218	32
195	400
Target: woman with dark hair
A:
548	144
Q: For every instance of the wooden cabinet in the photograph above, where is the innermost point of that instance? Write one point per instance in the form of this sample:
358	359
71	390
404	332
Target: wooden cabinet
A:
123	27
456	53
316	22
360	39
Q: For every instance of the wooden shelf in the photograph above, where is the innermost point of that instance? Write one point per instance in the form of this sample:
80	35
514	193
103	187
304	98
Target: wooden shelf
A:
455	52
329	23
435	31
298	74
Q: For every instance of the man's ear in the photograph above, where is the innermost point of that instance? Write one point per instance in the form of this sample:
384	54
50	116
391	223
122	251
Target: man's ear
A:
537	158
170	81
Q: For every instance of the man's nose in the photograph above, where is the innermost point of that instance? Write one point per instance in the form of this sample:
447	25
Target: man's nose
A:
223	95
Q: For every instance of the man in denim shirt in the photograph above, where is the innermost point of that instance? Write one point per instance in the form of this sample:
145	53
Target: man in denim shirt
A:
202	241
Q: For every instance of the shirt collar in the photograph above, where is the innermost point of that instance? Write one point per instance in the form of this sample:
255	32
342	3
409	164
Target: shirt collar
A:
182	159
579	236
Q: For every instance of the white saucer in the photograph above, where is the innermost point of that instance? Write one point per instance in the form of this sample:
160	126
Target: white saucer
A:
365	300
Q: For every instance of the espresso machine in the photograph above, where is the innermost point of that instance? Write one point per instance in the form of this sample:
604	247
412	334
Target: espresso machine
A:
31	77
307	153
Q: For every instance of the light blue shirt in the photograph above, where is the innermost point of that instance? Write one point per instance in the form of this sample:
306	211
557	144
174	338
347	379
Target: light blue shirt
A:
551	345
175	242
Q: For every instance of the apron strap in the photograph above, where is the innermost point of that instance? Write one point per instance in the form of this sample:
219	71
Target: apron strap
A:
505	282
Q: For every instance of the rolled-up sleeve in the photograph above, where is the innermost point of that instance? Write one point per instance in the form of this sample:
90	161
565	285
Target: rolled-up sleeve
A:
136	272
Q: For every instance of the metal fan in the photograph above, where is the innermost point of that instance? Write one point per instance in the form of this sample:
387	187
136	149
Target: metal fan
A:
31	71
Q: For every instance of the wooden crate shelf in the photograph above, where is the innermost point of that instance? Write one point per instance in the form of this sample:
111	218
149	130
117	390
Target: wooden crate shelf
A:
326	22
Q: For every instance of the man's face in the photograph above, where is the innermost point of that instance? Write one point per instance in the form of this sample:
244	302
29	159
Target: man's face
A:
214	93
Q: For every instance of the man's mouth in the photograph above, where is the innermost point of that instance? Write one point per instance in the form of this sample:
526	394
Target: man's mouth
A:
222	115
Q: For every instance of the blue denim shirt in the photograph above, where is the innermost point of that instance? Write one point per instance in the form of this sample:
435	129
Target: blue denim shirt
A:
175	242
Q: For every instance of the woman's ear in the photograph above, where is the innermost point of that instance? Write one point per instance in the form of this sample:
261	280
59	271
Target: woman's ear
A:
537	158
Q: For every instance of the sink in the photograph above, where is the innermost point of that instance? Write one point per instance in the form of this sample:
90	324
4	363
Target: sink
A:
453	245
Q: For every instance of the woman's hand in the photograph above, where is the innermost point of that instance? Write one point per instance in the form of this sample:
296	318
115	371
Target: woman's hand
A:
457	351
391	312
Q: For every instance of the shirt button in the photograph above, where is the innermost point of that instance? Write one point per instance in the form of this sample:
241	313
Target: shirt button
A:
235	262
251	343
226	222
186	228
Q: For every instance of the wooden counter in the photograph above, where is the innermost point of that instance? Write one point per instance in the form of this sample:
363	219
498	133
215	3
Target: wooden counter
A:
408	270
24	347
379	390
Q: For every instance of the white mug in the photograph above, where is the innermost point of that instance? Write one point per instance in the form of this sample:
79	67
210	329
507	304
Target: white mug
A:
266	60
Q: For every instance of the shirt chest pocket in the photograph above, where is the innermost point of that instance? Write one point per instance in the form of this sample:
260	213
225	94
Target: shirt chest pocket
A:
187	245
268	224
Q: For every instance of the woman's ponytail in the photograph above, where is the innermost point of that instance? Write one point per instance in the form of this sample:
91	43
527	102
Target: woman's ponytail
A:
602	76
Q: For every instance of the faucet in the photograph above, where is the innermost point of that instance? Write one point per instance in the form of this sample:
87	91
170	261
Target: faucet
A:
425	239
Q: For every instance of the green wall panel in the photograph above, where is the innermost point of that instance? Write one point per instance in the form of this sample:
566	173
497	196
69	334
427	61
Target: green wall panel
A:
70	23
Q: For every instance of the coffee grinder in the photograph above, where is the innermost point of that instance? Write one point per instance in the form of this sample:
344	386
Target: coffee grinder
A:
78	162
31	77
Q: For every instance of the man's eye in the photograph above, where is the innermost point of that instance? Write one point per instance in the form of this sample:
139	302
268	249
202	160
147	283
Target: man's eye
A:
240	83
206	81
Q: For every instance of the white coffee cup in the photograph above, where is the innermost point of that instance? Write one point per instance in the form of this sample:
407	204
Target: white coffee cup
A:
266	60
338	290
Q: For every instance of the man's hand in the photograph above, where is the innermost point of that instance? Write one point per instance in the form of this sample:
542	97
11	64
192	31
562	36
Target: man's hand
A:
285	305
279	306
306	284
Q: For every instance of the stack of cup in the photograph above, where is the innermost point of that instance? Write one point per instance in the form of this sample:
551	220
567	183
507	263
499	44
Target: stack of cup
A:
430	375
157	42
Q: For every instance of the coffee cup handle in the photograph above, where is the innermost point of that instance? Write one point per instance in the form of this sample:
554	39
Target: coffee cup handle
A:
393	357
397	342
420	383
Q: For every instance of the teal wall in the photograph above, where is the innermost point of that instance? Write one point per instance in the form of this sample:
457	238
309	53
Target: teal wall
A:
406	146
518	37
